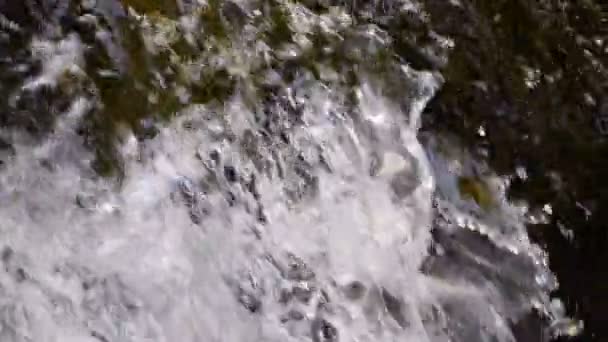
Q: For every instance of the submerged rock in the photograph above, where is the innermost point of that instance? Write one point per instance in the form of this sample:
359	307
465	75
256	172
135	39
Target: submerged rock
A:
323	331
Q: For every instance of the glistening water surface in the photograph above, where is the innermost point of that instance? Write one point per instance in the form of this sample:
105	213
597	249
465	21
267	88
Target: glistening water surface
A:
252	171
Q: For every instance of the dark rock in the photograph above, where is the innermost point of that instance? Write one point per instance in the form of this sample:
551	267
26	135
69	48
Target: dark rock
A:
298	270
234	15
168	8
261	215
7	254
323	331
16	11
20	275
231	174
85	201
145	130
303	293
231	198
394	307
295	315
249	301
285	296
318	5
404	183
215	156
186	188
354	290
88	284
252	188
292	315
99	336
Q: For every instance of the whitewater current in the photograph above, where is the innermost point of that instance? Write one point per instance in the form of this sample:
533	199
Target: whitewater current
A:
336	223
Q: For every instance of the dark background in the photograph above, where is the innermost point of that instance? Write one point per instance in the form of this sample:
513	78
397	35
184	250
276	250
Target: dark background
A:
551	130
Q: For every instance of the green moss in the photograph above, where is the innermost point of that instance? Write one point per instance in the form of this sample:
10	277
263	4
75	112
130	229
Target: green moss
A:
185	50
215	86
476	190
212	22
123	97
106	164
280	31
167	8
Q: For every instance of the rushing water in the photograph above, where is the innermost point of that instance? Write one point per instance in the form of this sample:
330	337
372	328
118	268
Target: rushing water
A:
249	171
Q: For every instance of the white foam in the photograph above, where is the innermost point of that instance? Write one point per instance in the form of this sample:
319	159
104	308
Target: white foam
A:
57	58
130	264
179	252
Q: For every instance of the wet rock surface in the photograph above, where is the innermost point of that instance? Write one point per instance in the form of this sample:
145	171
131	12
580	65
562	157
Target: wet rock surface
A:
531	75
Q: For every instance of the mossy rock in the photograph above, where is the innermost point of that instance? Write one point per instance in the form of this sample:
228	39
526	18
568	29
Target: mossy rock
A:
167	8
477	190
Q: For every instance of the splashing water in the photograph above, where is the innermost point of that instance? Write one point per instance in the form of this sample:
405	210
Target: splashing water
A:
311	220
